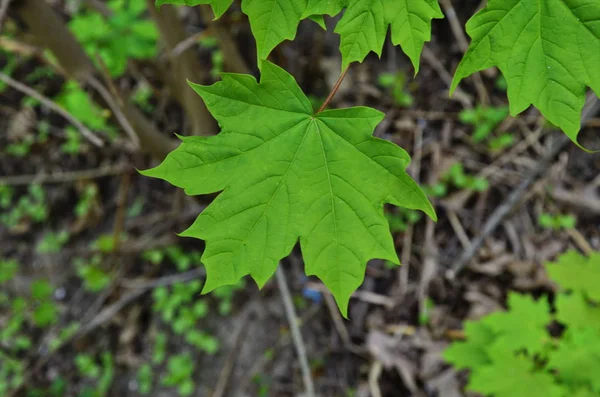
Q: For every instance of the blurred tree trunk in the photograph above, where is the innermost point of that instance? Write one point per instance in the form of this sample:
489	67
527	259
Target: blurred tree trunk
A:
183	67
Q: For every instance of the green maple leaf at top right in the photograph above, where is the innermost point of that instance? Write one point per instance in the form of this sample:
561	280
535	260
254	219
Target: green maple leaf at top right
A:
548	51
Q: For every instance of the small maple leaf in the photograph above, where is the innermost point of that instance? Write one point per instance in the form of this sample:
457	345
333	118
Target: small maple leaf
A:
364	27
287	174
578	273
218	6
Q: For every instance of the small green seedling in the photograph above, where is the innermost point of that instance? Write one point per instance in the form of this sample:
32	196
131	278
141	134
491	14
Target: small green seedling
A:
52	242
124	35
483	119
94	278
180	369
557	222
457	177
396	83
30	207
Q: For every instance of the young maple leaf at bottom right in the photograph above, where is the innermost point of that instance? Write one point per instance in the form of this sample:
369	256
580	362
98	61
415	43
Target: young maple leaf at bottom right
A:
548	51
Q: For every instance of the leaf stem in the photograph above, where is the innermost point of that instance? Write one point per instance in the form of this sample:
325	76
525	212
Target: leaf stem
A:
335	89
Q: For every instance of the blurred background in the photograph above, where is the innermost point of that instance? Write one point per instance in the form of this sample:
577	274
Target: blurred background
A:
99	297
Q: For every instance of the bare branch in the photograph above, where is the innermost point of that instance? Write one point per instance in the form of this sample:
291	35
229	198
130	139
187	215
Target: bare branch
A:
49	103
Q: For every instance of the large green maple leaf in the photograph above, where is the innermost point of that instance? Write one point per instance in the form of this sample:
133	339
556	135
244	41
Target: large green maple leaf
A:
288	174
548	50
363	27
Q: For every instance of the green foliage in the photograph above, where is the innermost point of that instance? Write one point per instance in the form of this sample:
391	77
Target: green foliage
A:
180	369
483	119
225	295
12	372
183	313
106	242
556	222
64	335
547	51
8	269
45	311
396	83
362	28
29	208
501	142
321	177
94	278
576	272
86	200
52	242
99	374
401	218
457	177
144	379
78	103
73	143
6	196
141	96
176	255
57	389
217	59
124	35
160	348
518	345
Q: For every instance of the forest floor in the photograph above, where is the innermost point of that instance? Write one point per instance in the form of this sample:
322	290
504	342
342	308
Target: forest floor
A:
124	286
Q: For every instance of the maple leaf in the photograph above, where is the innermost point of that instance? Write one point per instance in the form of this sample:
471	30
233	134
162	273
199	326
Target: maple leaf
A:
548	51
575	312
577	358
272	22
513	376
577	272
218	6
523	326
364	27
471	352
288	174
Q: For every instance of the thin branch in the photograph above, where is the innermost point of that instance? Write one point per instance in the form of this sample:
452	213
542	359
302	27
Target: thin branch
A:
62	177
3	8
117	111
187	43
459	34
49	103
240	334
292	318
592	106
335	89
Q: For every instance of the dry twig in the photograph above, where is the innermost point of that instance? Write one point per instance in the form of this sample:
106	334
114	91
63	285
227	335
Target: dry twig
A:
49	103
66	176
592	106
3	8
292	318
